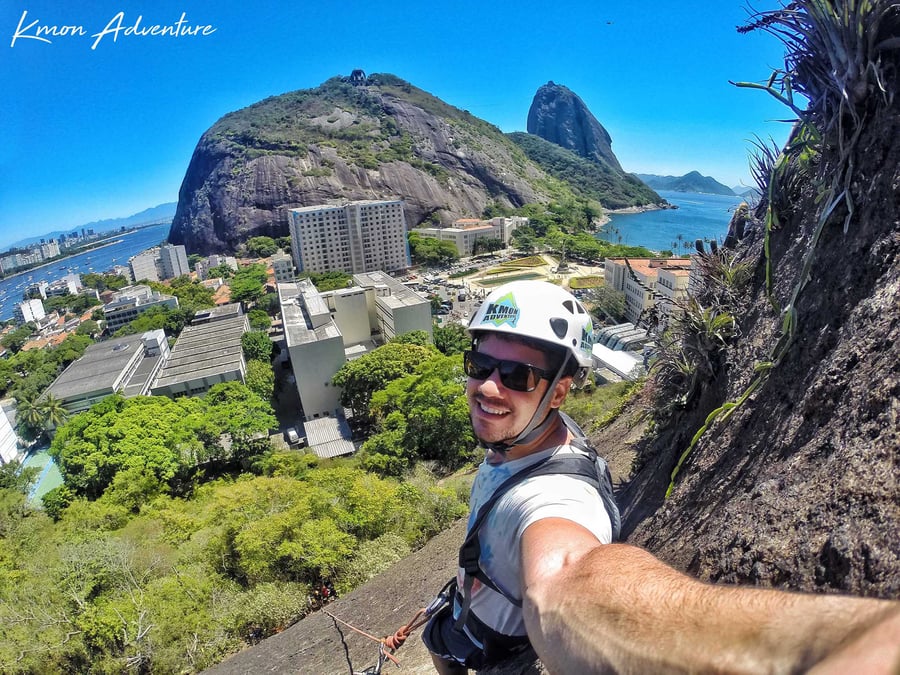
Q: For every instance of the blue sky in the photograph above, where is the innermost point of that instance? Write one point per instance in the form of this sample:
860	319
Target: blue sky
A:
97	127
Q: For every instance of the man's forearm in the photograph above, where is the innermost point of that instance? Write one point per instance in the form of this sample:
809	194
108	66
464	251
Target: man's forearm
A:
619	609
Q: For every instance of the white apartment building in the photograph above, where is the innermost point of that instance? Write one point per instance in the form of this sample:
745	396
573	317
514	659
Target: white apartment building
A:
361	236
145	266
673	284
49	249
282	267
131	301
9	448
30	311
315	345
173	261
202	267
466	231
323	330
639	293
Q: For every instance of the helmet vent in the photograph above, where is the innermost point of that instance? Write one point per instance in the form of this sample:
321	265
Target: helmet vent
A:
569	305
560	327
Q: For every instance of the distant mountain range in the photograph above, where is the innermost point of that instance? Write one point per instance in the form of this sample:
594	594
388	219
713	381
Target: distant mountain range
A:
156	214
689	182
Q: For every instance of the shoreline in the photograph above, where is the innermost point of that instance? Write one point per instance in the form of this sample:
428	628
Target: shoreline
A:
605	218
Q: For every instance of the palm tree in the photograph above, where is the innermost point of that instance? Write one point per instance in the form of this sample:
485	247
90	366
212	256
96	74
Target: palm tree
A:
28	413
53	412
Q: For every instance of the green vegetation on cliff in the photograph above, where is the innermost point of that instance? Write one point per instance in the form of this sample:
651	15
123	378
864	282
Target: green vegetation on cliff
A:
588	179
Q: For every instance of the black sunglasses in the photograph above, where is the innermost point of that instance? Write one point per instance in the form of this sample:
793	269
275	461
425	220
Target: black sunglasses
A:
513	374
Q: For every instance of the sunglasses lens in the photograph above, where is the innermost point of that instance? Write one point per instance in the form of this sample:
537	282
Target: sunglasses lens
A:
514	375
517	376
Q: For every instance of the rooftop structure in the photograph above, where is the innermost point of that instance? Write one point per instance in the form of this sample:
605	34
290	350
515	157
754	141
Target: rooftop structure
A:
126	365
466	231
204	355
324	330
329	436
639	287
282	267
131	301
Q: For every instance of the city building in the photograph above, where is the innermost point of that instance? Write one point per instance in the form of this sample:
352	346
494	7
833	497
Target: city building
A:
9	447
466	231
132	301
68	285
125	365
361	236
639	288
324	330
282	267
393	308
29	311
173	261
672	285
202	267
146	266
206	353
49	249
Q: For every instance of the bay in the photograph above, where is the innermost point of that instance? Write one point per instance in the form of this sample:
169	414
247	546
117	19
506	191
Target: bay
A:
124	245
698	216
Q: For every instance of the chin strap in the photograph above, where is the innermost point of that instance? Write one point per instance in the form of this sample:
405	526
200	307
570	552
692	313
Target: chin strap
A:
540	421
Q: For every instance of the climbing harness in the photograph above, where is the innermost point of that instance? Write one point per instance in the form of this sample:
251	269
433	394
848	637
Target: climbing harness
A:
391	643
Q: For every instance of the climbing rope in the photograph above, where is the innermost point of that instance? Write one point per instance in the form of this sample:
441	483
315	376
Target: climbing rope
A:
391	643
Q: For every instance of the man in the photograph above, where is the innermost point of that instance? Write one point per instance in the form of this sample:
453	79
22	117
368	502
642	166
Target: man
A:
588	607
530	342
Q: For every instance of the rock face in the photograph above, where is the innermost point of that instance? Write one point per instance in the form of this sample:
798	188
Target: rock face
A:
558	115
382	139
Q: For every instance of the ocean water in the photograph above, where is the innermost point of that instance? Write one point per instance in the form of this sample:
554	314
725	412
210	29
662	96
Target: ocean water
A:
698	216
98	260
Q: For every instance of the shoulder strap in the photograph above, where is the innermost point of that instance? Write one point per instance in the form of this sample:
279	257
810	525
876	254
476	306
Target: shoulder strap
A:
590	467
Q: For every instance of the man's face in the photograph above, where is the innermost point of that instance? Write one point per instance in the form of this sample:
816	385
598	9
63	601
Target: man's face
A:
499	413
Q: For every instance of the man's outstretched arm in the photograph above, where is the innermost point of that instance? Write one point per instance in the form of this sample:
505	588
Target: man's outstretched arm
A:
591	608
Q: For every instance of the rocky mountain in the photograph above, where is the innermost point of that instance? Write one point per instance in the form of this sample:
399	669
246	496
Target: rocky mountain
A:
599	181
373	138
558	115
689	182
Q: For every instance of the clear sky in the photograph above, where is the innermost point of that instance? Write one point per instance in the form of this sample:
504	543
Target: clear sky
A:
99	124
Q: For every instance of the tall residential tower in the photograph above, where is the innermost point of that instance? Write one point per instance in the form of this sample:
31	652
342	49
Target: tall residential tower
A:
356	237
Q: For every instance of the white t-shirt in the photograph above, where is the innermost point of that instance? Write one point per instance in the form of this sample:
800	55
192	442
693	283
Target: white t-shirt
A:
550	496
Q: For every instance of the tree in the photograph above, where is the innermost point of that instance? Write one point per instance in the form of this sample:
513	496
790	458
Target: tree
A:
259	320
153	433
607	302
257	346
222	271
432	404
53	412
261	247
89	328
247	284
362	377
260	379
15	340
451	338
415	337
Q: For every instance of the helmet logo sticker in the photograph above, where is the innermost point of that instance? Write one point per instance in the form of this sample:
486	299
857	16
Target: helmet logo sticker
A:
504	310
587	338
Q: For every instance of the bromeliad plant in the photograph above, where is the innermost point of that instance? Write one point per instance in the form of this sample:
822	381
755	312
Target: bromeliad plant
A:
839	55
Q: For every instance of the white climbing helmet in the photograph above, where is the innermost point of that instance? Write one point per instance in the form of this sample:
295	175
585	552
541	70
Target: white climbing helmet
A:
540	311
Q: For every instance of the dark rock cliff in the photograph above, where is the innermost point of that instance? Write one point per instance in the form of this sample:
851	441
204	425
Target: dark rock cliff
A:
558	115
378	140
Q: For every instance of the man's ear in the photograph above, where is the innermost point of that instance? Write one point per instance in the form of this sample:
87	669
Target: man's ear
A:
560	391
